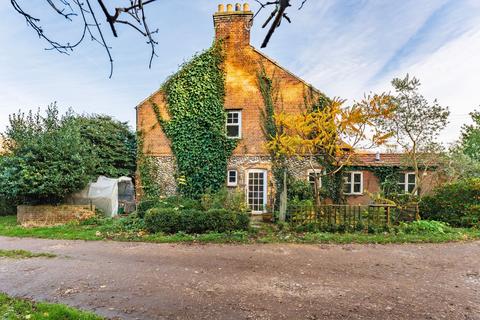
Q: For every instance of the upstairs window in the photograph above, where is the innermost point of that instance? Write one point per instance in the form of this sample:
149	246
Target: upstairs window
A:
234	124
315	175
353	183
232	178
407	182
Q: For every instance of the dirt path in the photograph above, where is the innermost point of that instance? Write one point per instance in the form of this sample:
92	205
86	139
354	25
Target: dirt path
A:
164	281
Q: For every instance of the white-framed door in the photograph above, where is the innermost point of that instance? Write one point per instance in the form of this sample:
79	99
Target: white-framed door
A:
256	190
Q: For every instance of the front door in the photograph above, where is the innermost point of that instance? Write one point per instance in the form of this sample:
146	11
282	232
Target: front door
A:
257	190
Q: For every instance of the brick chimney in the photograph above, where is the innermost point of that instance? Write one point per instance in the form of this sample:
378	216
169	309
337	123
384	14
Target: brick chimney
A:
232	24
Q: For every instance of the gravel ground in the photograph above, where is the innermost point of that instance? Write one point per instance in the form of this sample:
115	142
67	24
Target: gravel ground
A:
176	281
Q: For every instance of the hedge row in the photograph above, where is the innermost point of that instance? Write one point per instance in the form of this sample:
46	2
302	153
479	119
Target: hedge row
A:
172	220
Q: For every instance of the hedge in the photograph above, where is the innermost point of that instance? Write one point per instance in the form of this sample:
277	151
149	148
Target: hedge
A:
173	220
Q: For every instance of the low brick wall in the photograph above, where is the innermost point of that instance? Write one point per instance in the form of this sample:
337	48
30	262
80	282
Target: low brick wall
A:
49	215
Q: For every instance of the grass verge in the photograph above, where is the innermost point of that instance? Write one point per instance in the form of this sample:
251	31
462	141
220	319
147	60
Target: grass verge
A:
112	230
23	254
13	308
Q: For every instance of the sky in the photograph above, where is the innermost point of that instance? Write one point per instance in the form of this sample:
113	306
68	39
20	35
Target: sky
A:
345	48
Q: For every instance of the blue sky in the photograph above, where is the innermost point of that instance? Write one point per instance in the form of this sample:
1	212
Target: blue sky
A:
343	47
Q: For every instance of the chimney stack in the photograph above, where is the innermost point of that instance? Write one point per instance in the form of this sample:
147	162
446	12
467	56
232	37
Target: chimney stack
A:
233	24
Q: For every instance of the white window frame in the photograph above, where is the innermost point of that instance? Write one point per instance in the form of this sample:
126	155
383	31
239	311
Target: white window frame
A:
239	124
406	183
315	171
229	183
265	186
352	184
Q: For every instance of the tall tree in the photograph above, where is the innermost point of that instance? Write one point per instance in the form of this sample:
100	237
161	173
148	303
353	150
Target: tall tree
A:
112	144
416	124
470	137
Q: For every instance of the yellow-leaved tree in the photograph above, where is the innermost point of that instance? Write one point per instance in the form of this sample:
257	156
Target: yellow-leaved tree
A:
329	132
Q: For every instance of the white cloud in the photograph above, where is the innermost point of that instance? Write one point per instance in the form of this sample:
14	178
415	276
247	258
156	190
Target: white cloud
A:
451	75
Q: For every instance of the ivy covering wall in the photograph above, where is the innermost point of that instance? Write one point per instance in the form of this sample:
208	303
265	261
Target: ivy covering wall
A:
196	128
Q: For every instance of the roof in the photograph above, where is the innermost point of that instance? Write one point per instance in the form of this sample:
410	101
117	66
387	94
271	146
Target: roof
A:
369	159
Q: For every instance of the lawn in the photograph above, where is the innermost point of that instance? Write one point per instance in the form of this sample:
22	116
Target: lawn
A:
109	229
23	254
13	308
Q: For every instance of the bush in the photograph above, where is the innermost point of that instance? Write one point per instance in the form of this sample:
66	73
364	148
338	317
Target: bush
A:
46	158
423	227
7	208
225	199
457	204
173	220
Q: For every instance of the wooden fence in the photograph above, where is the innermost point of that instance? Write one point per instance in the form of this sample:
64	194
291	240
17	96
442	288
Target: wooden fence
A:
352	217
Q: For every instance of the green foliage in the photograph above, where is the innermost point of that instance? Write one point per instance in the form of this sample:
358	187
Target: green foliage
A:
232	200
151	189
470	139
111	142
173	220
195	102
46	158
300	190
457	204
423	227
11	308
7	207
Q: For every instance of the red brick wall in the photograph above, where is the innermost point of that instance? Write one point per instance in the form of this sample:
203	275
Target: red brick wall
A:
242	64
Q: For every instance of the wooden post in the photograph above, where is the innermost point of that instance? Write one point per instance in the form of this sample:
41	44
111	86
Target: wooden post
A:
388	216
283	199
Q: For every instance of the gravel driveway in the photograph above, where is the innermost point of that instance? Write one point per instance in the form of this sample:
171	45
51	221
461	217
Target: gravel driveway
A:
169	281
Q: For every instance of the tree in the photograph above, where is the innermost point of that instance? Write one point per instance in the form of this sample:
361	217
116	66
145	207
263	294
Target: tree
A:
470	137
133	16
330	132
112	144
46	158
416	124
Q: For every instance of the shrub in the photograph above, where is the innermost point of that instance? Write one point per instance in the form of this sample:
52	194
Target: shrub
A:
146	205
457	203
162	220
46	158
173	220
233	200
7	208
300	190
423	227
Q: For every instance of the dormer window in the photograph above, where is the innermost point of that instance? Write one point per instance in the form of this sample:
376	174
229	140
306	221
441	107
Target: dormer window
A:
234	124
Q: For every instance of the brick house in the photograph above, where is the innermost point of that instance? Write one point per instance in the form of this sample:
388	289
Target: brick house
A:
249	167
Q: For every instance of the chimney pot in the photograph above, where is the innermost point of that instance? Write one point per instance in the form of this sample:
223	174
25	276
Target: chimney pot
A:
229	7
238	7
246	7
221	8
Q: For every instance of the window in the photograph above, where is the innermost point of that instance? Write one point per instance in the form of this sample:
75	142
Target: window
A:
232	180
315	174
353	183
234	123
407	182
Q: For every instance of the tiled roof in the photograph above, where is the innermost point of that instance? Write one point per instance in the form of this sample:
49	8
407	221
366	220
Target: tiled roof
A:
369	159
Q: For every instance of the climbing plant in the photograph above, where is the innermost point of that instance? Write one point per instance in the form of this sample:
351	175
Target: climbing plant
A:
271	99
196	128
147	169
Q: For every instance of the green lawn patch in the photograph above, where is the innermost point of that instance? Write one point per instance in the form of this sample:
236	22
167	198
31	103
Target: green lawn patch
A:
13	308
23	254
126	230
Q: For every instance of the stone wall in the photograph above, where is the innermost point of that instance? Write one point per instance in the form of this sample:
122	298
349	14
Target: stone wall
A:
49	215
